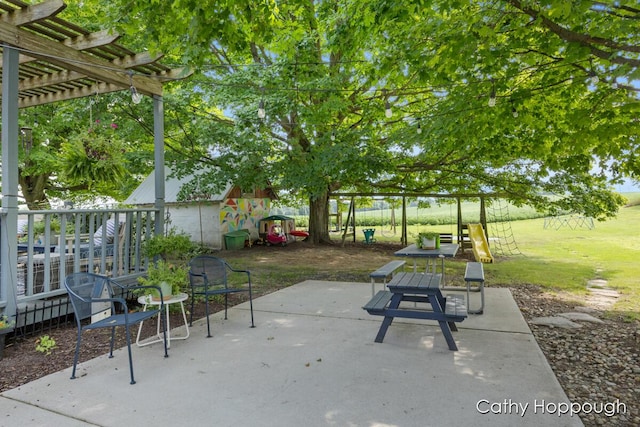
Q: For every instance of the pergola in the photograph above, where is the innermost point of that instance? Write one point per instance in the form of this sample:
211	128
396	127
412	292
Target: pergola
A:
46	59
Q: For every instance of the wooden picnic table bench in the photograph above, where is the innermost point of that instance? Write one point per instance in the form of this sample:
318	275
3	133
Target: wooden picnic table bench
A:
418	288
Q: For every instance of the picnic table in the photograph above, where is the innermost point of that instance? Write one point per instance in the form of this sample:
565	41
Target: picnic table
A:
446	250
418	288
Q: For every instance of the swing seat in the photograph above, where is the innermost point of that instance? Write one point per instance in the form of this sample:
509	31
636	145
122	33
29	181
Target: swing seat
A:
446	237
368	235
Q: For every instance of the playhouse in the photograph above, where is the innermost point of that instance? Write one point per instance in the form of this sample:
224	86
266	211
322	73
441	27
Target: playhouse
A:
279	230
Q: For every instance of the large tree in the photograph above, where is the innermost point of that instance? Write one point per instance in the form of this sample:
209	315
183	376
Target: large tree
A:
564	78
326	72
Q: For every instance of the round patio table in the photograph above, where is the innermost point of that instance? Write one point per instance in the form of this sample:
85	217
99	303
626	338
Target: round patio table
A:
146	300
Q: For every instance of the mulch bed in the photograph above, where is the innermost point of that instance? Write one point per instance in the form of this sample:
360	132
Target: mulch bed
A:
22	363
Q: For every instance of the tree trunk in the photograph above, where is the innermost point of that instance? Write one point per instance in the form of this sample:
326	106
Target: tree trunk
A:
319	219
33	191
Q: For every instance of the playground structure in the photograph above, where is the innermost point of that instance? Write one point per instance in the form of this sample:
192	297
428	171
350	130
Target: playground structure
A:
500	222
570	221
348	227
479	243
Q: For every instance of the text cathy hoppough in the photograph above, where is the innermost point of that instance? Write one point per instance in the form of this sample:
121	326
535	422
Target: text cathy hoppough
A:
511	407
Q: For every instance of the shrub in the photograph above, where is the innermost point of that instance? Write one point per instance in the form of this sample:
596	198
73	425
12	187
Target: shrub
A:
173	246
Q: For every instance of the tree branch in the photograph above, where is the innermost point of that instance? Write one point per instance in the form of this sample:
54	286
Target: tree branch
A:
584	39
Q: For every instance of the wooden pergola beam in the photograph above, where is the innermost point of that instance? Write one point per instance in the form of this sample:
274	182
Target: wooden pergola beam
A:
74	60
79	92
69	76
97	39
34	13
93	40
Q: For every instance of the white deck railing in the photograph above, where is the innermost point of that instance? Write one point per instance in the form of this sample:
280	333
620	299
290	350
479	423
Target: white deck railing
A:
72	241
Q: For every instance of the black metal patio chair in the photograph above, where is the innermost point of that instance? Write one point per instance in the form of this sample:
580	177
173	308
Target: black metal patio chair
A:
102	298
208	277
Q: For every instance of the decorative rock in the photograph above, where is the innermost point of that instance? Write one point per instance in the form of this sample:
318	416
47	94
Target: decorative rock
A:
598	363
556	321
600	295
597	283
584	309
581	316
609	293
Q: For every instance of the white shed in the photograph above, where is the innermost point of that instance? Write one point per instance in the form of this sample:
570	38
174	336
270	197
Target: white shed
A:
207	221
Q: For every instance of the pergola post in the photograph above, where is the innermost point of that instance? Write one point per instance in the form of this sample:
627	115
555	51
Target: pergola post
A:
9	223
158	150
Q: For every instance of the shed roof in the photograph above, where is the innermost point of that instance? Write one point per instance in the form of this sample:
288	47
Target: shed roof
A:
145	193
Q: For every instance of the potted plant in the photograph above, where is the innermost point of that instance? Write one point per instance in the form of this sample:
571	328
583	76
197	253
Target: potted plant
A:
39	228
172	279
428	240
169	254
6	327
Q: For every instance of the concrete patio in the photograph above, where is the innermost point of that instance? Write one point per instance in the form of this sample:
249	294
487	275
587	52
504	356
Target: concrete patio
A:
312	361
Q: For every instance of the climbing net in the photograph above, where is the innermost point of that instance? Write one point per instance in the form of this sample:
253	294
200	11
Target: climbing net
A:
571	221
503	242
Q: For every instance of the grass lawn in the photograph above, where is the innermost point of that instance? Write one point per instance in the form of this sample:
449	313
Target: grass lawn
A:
565	259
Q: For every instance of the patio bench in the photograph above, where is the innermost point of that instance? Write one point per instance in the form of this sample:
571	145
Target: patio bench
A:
446	238
385	272
378	303
455	307
474	272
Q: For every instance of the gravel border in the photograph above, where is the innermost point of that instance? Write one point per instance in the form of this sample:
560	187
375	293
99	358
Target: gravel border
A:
596	364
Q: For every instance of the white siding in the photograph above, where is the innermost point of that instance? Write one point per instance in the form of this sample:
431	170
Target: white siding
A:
189	218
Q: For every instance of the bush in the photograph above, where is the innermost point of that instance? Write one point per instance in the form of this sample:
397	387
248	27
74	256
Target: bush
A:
173	246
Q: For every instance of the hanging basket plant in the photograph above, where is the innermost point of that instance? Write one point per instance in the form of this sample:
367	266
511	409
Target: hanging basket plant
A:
95	157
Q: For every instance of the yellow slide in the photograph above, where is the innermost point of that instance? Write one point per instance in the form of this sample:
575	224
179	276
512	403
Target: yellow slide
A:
479	243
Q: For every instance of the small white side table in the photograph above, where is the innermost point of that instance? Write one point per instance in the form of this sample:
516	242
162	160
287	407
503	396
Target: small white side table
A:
147	301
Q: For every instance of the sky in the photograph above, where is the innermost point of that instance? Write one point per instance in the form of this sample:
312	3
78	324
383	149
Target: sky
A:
627	187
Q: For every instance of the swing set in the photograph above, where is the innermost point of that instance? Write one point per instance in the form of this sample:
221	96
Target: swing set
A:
399	200
392	231
370	224
445	237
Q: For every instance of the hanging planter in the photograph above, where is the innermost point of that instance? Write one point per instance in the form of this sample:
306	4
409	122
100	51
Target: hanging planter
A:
95	157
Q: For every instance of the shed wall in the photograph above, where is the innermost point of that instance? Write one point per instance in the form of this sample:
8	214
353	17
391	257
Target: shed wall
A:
200	221
208	222
238	214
